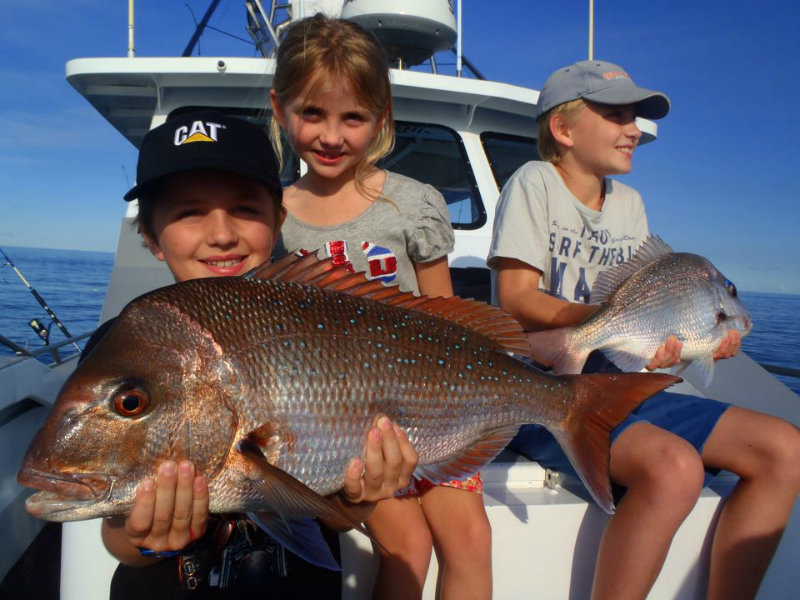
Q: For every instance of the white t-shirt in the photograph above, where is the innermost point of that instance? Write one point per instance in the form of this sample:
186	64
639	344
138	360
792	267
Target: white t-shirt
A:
541	223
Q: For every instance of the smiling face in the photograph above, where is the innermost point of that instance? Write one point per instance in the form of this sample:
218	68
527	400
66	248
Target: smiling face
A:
329	128
212	224
602	138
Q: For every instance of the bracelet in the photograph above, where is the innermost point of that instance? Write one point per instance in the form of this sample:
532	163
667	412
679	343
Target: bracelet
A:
153	554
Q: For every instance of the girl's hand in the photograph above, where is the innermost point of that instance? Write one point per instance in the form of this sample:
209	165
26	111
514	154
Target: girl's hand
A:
171	512
667	355
390	461
730	345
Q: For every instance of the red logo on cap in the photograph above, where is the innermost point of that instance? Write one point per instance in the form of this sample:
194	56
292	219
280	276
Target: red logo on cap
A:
616	75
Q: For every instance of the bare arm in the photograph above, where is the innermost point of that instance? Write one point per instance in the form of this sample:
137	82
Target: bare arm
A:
433	278
518	293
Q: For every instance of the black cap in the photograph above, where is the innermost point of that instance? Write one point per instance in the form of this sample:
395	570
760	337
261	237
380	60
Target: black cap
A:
205	139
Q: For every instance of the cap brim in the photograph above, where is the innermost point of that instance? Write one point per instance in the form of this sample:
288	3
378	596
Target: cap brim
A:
649	104
197	165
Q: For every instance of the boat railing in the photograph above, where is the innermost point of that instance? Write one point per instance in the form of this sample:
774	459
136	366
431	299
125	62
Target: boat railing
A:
50	349
779	370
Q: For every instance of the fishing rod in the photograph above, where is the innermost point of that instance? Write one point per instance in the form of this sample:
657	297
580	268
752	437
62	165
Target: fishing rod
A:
40	300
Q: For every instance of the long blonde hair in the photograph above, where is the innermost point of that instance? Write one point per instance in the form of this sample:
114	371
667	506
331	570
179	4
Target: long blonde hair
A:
317	51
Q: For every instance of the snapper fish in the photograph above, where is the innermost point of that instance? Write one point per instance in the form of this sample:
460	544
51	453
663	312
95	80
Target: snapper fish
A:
657	294
270	383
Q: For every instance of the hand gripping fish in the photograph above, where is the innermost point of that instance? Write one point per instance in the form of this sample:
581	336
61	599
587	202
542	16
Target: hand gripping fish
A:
656	294
269	383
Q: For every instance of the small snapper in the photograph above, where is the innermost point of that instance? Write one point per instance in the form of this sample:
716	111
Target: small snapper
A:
270	382
656	294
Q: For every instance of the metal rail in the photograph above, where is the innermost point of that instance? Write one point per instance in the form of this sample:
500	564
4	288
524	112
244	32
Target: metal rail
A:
51	349
778	370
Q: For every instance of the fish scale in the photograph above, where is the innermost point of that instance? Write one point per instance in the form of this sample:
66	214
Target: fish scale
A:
270	385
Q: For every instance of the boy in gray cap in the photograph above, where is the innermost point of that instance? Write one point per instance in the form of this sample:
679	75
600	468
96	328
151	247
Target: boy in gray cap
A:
561	222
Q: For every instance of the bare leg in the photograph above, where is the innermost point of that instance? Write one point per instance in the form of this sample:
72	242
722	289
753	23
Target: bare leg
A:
664	477
765	452
463	538
399	525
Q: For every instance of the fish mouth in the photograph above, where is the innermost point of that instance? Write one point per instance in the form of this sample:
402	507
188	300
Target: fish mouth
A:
747	324
63	491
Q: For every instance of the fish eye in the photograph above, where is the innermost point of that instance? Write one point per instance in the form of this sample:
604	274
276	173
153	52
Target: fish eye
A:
731	287
130	401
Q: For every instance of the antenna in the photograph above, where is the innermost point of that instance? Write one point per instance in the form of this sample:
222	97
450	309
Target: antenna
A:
131	49
591	29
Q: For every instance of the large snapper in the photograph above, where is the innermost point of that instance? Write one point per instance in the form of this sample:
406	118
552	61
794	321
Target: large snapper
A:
657	294
270	384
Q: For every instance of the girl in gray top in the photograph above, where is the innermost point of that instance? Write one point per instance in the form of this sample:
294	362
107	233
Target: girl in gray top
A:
331	97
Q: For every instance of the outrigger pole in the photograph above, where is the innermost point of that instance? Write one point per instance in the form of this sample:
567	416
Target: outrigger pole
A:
40	300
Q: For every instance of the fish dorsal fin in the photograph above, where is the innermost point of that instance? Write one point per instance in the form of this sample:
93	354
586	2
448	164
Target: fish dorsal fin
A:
471	461
479	317
609	280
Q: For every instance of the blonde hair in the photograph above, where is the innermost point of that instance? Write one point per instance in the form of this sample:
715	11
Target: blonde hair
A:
317	51
546	143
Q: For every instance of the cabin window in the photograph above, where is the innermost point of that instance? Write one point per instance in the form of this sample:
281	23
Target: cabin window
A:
507	153
435	155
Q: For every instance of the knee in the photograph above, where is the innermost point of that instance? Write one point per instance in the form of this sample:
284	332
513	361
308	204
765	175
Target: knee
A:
412	550
779	458
673	478
472	541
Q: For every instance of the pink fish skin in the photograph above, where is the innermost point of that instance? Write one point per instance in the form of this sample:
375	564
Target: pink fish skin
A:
269	384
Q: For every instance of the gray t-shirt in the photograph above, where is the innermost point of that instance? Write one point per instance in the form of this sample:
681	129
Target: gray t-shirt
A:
541	223
385	239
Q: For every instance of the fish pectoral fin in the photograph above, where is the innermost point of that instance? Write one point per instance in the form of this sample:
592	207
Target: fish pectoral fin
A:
630	363
470	461
700	372
302	537
601	402
679	368
288	497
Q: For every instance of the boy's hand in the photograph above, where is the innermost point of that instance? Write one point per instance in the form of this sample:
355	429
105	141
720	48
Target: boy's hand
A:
667	355
730	345
171	512
390	461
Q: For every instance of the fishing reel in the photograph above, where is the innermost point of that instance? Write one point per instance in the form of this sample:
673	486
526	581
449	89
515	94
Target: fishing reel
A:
41	330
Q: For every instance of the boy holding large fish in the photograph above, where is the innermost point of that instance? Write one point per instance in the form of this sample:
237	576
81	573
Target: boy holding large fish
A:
564	235
210	206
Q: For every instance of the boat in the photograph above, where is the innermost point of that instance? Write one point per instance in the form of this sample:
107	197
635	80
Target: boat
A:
465	136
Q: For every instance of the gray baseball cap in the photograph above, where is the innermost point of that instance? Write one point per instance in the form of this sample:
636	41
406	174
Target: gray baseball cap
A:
601	82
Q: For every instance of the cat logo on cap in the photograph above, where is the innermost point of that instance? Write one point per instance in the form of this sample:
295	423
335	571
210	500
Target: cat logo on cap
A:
198	132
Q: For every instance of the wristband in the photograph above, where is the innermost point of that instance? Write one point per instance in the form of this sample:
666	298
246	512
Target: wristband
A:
153	554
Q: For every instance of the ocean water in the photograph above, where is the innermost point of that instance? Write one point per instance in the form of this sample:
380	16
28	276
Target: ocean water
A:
73	283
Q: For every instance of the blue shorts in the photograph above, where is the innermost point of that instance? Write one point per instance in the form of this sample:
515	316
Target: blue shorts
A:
691	417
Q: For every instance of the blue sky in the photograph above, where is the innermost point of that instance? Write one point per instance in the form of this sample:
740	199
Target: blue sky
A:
721	180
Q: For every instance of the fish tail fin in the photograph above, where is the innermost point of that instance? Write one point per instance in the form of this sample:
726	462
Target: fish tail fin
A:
552	348
602	401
